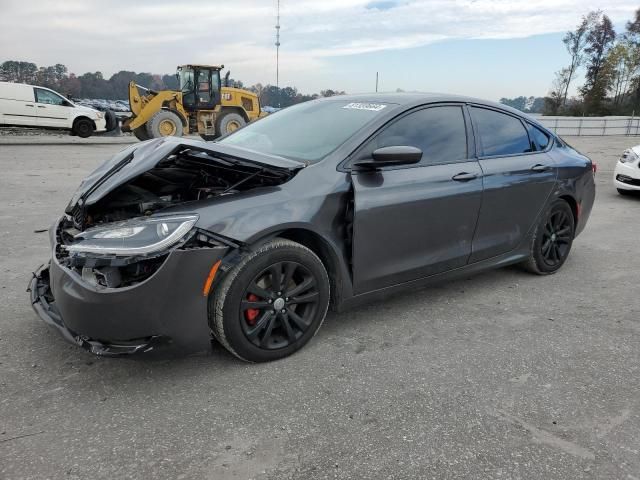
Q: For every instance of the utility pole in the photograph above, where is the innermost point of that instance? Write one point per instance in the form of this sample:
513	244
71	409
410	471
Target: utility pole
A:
376	82
278	53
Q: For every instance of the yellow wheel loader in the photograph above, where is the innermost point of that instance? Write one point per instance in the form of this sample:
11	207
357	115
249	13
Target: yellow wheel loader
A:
202	106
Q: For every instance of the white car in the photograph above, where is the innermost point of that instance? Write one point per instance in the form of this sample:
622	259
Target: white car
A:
30	106
626	176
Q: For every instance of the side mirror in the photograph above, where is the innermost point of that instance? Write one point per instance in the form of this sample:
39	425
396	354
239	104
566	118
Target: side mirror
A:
390	156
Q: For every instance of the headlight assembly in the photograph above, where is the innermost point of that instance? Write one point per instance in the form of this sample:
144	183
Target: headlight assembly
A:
139	236
629	156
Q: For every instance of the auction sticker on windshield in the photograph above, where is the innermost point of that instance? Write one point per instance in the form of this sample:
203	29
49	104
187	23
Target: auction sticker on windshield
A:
375	107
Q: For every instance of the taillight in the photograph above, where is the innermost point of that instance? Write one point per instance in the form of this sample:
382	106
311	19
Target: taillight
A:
594	167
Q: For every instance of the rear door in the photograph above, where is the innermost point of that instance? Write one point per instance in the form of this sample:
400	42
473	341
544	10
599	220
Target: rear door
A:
52	109
17	105
518	178
418	220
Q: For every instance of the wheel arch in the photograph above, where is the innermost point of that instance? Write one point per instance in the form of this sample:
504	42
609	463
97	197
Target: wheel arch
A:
184	121
83	117
322	248
573	204
237	110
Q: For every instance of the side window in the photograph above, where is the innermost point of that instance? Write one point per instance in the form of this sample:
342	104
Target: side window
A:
540	137
438	131
50	98
500	134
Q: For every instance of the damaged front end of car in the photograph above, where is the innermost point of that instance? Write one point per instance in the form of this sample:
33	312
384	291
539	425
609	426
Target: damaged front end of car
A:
131	266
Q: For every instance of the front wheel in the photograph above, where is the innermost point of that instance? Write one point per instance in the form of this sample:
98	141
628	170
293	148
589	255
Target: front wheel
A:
164	124
271	303
229	122
83	127
552	239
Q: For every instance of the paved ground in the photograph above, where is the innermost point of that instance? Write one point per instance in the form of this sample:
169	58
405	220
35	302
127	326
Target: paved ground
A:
503	375
34	136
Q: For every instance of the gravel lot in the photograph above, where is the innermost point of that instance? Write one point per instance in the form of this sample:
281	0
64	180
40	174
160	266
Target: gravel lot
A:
502	375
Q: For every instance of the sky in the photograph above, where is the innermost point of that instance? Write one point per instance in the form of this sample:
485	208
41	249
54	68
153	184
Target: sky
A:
482	48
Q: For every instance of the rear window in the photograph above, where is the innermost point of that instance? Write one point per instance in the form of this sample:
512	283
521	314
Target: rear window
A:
500	134
540	138
308	131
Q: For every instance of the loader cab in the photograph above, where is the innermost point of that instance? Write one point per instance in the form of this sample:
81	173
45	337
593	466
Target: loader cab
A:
200	86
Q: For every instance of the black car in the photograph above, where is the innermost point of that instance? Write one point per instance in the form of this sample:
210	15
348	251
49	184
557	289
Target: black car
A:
327	203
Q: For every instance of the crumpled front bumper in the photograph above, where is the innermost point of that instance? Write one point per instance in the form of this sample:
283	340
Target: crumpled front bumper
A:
169	307
45	306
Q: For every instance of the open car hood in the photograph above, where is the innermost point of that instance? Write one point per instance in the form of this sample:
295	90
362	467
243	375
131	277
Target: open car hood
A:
144	156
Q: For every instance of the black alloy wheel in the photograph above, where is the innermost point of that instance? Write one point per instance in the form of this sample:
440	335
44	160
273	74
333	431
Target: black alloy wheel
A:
556	238
552	240
279	305
271	303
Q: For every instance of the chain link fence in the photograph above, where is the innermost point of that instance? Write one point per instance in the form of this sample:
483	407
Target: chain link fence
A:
586	126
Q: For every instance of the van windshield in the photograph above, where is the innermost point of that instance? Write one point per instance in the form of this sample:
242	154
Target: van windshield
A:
308	131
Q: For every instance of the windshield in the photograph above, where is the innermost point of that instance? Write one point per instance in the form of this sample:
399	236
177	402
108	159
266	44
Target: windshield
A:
186	79
308	131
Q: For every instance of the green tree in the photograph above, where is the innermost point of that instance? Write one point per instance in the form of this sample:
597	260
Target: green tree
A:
16	71
518	103
600	39
575	43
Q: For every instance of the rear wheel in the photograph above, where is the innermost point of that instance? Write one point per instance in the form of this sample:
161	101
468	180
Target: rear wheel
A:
552	240
229	122
83	127
164	124
271	303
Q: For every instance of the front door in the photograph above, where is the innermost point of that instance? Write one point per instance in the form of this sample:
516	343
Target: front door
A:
418	220
518	178
52	109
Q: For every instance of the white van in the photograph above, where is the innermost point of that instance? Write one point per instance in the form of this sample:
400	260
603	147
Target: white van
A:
31	106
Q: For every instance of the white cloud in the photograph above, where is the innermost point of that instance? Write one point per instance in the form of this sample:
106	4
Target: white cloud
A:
90	35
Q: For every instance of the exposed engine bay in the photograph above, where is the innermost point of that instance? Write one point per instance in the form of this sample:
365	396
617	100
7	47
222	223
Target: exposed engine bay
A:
184	176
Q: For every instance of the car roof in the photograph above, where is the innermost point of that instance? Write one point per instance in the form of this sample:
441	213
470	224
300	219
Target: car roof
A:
410	99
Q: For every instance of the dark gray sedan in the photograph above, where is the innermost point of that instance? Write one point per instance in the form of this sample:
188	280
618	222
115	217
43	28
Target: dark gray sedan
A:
251	239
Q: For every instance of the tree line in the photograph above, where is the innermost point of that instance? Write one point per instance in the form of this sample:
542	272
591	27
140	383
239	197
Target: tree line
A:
95	85
611	63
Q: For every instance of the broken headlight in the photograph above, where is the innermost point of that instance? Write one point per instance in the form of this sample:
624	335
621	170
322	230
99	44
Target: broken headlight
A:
138	236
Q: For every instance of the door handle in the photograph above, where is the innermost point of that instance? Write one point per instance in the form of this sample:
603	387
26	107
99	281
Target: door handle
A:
464	177
41	106
28	105
540	168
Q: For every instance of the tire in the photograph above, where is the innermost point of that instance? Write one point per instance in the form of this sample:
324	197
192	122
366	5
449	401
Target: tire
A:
552	239
257	334
111	121
83	127
164	124
141	133
229	122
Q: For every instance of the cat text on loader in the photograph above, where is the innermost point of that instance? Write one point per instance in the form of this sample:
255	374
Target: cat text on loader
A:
202	106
